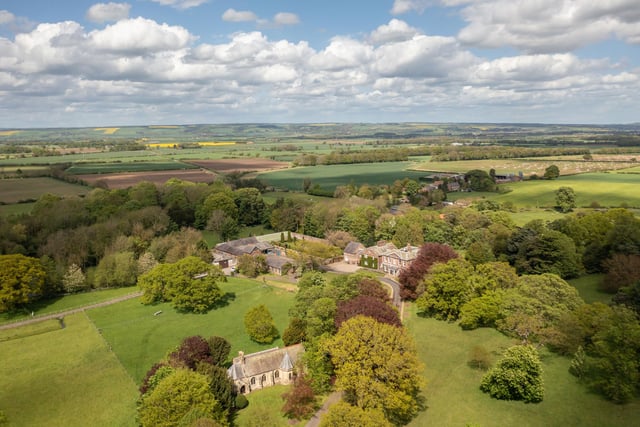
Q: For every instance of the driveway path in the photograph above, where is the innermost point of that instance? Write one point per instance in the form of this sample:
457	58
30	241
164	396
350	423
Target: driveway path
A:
67	312
333	398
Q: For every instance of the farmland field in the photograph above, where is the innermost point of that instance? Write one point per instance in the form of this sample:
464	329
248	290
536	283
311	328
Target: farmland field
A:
248	164
526	166
126	180
331	176
65	377
607	189
13	190
140	339
453	395
119	167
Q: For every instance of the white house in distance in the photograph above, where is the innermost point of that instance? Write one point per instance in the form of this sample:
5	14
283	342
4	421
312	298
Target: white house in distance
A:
263	369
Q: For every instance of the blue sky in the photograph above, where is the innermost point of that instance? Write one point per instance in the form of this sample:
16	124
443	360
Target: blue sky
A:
85	63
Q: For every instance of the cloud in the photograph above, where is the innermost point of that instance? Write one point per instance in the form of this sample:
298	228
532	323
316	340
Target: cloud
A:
181	4
395	31
232	15
547	26
6	17
404	6
108	12
139	70
286	18
139	35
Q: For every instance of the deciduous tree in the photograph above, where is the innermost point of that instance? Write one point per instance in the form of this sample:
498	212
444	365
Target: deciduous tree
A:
429	254
259	324
565	199
377	367
300	401
175	396
517	376
366	305
21	280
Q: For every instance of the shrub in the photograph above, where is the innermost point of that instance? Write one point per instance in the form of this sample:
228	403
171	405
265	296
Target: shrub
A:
241	402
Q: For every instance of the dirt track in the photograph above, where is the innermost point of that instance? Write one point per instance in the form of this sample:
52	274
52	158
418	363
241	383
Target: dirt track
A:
67	312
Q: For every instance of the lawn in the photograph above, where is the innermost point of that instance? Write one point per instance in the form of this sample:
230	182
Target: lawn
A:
588	288
453	397
21	189
16	209
67	302
140	339
64	377
264	409
606	189
329	177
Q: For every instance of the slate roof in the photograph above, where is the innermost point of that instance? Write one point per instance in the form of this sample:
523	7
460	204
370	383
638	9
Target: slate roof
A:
277	261
250	365
406	253
354	248
243	246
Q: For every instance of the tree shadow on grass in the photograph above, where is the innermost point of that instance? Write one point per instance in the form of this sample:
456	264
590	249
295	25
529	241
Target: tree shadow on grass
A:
226	299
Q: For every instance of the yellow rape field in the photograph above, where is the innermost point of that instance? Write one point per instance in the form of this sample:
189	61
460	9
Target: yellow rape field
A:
215	143
202	144
163	127
8	132
107	131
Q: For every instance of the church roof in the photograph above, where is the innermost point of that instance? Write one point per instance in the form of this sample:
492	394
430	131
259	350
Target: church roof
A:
250	365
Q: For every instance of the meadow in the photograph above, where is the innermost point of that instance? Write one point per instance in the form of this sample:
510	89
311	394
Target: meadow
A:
592	189
14	190
453	396
140	339
64	377
65	302
329	177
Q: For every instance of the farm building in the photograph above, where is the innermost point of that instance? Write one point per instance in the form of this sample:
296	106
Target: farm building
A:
264	369
226	254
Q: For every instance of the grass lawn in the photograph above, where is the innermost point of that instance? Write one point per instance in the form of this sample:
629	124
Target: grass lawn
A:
140	339
66	302
64	377
588	288
264	409
453	396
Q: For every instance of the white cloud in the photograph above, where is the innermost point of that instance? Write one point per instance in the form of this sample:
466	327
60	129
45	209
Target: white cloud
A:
395	31
232	15
181	4
404	6
108	12
6	17
139	70
546	26
286	18
139	35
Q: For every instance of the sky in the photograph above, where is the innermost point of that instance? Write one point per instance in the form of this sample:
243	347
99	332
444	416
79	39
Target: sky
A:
77	63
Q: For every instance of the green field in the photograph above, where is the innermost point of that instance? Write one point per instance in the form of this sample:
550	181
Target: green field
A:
16	209
331	176
588	288
140	339
16	190
64	377
453	395
606	189
119	167
67	302
264	409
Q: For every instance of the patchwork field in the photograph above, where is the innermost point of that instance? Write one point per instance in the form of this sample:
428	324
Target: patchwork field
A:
444	349
240	165
120	167
126	180
331	176
64	377
526	166
140	339
14	190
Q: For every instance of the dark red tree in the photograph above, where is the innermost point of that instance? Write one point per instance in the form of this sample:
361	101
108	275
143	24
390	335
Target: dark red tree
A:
367	306
373	288
144	387
622	270
191	351
300	401
429	254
